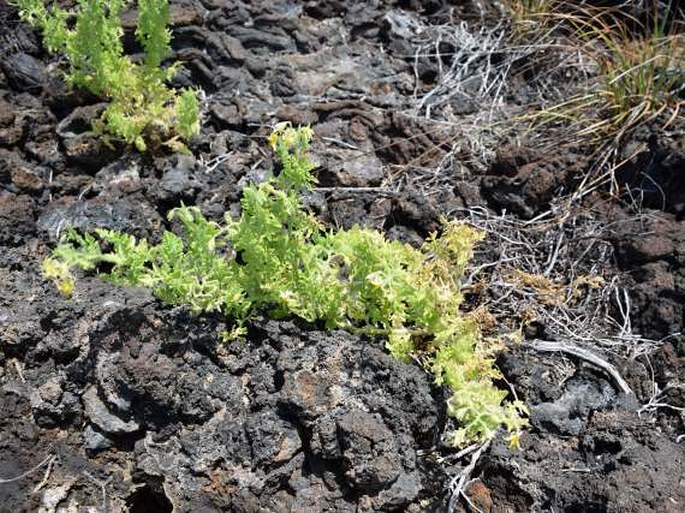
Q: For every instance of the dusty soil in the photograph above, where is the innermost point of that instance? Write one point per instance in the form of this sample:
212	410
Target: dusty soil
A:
112	401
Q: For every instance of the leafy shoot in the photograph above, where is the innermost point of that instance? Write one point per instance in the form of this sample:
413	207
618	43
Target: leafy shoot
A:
278	259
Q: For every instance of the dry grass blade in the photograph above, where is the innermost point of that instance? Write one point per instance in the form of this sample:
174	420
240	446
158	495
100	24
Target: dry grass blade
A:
638	79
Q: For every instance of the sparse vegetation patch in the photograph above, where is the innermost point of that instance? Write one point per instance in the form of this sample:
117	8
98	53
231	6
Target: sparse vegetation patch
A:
143	110
633	64
277	258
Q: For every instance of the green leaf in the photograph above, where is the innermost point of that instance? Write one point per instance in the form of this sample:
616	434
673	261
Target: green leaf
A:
143	111
289	265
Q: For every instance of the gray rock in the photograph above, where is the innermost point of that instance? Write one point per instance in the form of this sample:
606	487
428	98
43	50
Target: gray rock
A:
98	414
568	414
178	181
273	441
99	212
402	492
95	441
24	73
51	391
369	452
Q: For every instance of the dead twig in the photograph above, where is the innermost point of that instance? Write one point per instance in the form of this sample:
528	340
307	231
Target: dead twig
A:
48	460
103	488
458	483
583	354
48	471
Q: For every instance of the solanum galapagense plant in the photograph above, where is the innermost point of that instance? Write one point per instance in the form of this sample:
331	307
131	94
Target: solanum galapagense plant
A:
142	109
277	258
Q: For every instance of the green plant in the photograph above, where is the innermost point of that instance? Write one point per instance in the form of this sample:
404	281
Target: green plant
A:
639	75
277	258
526	14
642	74
142	109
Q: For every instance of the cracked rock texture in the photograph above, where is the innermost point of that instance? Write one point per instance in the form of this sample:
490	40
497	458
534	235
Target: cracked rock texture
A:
133	406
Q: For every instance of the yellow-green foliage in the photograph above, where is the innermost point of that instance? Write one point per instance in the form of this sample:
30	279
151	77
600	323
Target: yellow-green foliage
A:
58	271
138	95
278	259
